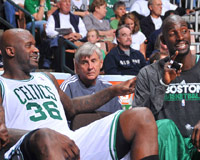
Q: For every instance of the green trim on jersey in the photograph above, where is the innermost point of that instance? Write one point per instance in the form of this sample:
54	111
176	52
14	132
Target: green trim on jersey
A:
26	80
112	138
47	77
2	89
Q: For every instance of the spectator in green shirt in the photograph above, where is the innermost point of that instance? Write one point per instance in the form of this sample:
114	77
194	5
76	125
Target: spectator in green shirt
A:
119	10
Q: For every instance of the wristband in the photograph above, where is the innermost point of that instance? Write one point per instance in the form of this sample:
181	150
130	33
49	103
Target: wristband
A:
41	5
161	82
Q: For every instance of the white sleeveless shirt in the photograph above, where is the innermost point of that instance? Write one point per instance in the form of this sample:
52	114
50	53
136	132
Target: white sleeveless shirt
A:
33	103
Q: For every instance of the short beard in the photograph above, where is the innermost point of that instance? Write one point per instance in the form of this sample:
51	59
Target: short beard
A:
125	46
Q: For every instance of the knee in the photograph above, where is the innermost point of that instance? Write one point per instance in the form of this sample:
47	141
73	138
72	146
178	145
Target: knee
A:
41	135
40	141
141	116
137	121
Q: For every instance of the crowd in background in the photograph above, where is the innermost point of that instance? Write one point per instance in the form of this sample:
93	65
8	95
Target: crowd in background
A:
149	40
56	21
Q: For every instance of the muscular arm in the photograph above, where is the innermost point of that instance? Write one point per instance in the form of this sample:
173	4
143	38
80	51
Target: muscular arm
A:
92	102
4	138
14	136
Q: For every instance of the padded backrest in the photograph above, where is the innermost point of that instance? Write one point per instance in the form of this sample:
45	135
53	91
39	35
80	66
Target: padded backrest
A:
84	119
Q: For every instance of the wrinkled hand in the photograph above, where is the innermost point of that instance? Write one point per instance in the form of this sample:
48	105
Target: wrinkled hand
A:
196	136
170	73
4	137
125	88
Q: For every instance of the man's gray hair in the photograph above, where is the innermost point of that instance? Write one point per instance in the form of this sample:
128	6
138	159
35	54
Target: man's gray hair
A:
87	49
150	2
118	4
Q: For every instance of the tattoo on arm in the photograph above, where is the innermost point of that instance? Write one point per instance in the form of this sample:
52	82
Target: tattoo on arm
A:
92	102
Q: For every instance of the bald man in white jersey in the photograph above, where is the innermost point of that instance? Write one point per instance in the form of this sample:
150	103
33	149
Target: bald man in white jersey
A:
34	102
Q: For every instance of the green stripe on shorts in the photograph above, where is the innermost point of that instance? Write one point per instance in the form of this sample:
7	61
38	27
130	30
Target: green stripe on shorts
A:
112	138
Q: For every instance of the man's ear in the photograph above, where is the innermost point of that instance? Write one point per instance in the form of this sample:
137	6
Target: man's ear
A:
101	63
76	67
150	7
10	51
162	39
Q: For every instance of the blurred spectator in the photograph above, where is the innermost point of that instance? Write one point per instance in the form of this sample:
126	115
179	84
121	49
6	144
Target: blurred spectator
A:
154	20
95	20
119	10
159	45
63	18
153	36
80	7
93	37
109	7
161	51
40	9
141	7
10	11
138	38
123	60
157	55
88	62
74	29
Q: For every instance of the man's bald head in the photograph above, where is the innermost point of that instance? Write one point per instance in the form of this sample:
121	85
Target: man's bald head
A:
176	35
169	21
18	50
12	37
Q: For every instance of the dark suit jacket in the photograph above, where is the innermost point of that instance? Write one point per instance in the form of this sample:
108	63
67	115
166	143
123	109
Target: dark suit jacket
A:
147	26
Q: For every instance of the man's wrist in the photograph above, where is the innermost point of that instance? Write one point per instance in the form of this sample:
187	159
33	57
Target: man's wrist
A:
161	82
41	5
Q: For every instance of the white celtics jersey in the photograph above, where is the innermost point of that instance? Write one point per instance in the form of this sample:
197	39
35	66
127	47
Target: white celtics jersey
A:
33	103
